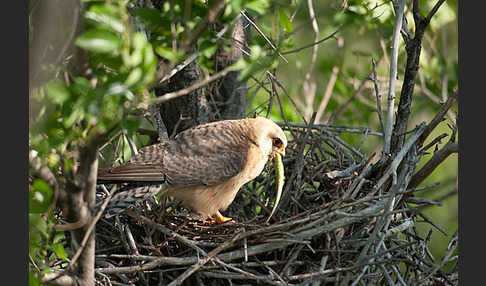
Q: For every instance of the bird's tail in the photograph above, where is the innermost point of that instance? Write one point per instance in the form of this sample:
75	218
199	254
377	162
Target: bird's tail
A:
130	173
129	195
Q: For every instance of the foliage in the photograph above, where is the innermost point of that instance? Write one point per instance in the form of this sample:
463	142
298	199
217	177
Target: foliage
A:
122	65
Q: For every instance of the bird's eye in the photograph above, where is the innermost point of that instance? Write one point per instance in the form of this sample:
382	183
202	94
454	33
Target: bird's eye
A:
277	142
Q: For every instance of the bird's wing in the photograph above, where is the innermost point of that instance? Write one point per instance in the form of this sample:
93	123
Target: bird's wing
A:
146	166
207	154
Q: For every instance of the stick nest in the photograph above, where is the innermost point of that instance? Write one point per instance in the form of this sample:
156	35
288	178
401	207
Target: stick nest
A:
340	222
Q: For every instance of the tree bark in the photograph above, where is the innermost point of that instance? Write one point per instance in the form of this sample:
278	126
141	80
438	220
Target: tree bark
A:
232	93
187	111
223	99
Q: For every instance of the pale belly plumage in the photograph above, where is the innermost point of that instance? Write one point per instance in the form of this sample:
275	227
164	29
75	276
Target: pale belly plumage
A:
207	200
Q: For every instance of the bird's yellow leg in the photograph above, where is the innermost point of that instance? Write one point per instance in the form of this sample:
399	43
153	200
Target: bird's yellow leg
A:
220	218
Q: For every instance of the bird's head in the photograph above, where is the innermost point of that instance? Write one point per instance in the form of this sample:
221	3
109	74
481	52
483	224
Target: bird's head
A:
271	137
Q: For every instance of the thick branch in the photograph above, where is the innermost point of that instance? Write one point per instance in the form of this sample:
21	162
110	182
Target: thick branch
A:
413	48
77	206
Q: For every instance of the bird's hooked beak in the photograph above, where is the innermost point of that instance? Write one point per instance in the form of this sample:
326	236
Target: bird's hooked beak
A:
281	151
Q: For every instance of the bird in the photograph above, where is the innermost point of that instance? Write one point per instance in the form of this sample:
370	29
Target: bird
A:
204	166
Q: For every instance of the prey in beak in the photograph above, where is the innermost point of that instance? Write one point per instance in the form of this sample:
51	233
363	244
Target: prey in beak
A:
279	171
277	148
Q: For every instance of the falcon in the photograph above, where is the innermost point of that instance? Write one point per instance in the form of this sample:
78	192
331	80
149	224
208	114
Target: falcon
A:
204	166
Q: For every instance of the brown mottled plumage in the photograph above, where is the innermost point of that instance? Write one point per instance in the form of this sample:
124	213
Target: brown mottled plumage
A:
204	166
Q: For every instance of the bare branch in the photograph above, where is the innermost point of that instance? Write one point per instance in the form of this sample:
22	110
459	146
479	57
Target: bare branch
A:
331	36
413	48
264	36
210	18
327	93
438	157
438	117
378	96
393	75
187	90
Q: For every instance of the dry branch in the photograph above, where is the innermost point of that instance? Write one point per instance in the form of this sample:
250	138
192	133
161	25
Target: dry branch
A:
392	78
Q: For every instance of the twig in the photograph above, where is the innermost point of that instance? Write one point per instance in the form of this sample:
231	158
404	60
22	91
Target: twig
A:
300	152
178	68
274	79
397	160
311	44
438	157
309	85
393	76
88	232
450	249
327	93
92	226
210	256
263	35
436	140
378	96
347	129
231	276
357	92
438	117
210	18
171	95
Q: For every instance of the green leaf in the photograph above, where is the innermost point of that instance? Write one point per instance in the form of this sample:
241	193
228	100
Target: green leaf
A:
285	21
105	21
168	53
152	17
139	42
149	59
34	280
257	6
134	76
74	116
130	124
80	86
97	40
40	197
36	225
115	89
57	91
207	49
59	250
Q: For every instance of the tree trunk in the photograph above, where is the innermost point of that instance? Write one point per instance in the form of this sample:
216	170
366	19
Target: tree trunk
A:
222	99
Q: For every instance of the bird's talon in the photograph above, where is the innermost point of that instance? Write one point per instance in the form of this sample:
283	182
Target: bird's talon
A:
211	220
221	219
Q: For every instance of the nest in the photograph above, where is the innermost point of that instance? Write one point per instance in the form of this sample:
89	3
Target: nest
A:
339	222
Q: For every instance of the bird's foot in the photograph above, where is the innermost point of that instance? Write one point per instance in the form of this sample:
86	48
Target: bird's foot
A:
271	156
219	219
